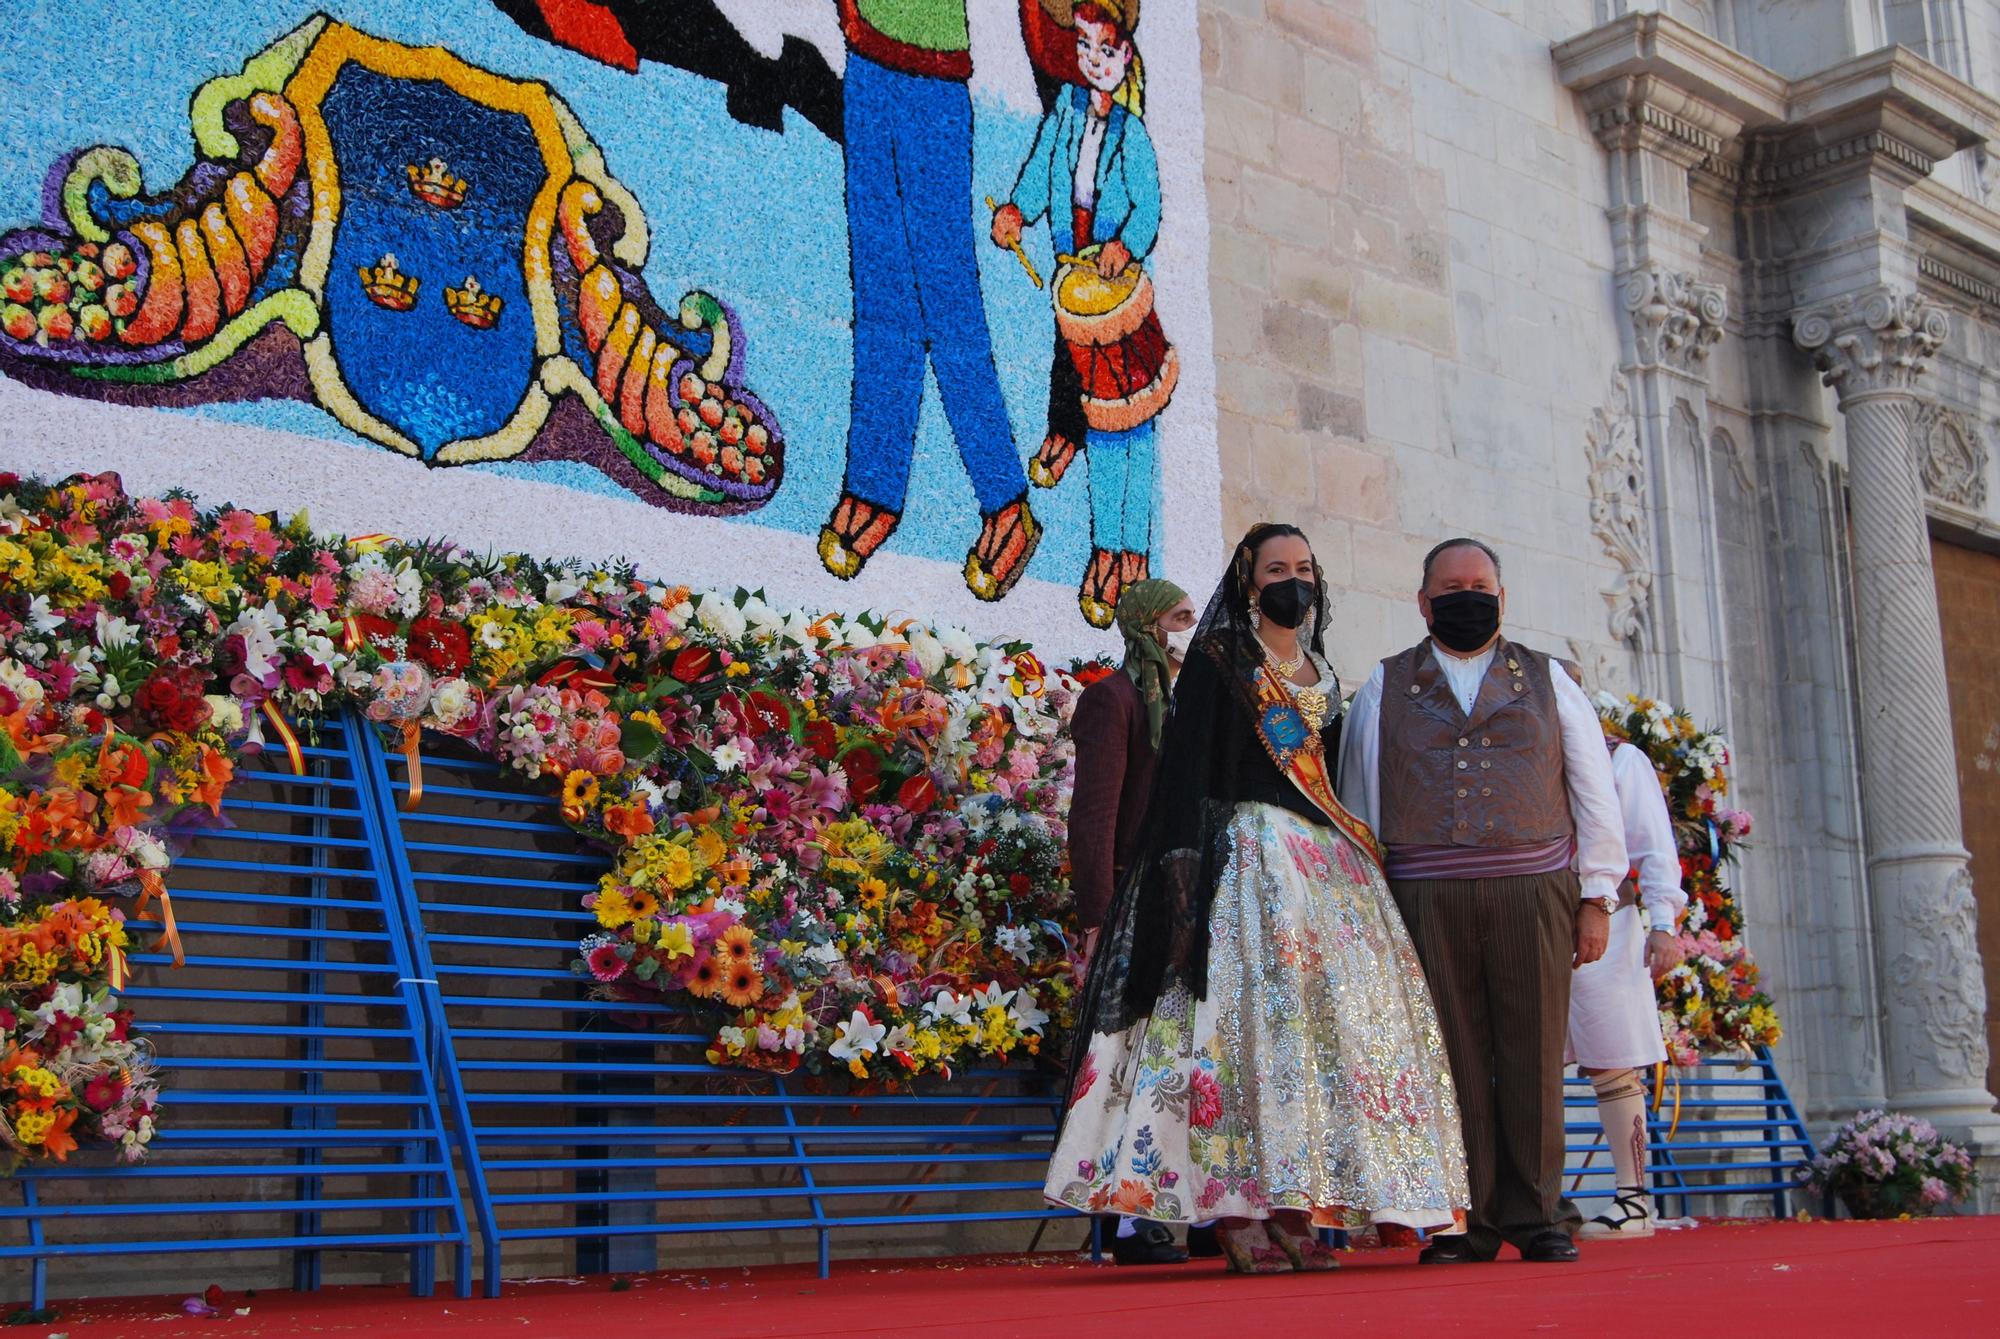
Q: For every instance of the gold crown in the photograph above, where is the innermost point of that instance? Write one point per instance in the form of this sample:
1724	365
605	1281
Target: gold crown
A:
472	305
434	184
388	286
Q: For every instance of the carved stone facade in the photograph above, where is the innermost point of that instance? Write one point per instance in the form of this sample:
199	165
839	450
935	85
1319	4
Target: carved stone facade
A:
1873	342
1811	194
1676	319
1619	515
1951	457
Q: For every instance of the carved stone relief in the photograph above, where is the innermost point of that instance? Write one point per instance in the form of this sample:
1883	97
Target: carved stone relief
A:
1619	514
1951	456
1676	319
1875	341
1938	976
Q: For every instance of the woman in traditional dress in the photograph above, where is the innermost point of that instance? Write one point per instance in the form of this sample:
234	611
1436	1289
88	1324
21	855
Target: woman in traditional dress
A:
1256	1043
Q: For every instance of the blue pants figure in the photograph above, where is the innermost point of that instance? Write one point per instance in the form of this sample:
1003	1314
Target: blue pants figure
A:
1123	468
916	296
1124	481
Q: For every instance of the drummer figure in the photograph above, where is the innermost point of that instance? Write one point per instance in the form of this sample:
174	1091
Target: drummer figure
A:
1092	150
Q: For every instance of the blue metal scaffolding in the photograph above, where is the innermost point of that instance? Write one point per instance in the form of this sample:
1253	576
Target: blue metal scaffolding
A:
379	1043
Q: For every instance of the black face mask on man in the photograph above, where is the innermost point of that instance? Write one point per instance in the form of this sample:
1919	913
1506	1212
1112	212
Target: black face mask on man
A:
1286	603
1465	620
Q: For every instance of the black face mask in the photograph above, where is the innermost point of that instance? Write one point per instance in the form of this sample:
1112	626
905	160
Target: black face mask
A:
1286	603
1465	620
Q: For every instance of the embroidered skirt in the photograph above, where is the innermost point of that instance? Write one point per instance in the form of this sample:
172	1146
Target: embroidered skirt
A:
1313	1077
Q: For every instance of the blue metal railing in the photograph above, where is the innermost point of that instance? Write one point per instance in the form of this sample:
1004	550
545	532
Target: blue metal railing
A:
1736	1132
304	1115
604	1124
379	1044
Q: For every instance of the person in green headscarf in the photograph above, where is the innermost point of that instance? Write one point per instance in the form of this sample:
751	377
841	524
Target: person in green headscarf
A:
1117	732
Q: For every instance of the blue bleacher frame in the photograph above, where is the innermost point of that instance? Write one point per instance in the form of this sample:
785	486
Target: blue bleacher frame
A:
478	893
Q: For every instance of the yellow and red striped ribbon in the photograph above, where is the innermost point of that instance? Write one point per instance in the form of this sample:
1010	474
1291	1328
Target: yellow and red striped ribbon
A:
286	737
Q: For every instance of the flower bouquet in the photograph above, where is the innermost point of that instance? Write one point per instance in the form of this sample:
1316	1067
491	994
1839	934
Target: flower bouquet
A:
1886	1165
1712	1003
837	843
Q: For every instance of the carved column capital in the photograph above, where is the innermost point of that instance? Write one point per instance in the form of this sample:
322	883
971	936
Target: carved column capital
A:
1676	319
1872	342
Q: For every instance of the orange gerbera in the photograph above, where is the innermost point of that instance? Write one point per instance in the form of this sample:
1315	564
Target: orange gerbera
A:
644	905
742	986
737	944
706	978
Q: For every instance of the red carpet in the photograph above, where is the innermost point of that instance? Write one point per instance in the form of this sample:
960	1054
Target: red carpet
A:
1762	1279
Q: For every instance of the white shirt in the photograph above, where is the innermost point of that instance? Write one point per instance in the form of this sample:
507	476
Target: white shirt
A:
1593	795
1465	675
1084	187
1649	837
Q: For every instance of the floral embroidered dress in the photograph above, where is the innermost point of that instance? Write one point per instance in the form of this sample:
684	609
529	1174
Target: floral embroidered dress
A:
1309	1075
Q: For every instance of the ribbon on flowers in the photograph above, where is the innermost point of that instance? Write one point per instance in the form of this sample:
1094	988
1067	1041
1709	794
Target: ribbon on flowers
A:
286	737
150	887
412	735
118	970
353	640
370	543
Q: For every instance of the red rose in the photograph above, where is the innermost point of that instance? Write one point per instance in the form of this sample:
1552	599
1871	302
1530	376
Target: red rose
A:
917	794
820	739
1020	885
120	585
157	696
694	664
9	704
440	644
188	715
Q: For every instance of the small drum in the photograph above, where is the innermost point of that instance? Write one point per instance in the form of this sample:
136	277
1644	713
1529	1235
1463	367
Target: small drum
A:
1128	369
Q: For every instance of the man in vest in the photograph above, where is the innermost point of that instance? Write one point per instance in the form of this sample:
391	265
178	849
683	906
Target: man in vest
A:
1485	775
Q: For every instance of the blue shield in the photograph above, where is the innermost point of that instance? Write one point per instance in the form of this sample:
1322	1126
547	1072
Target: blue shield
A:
421	369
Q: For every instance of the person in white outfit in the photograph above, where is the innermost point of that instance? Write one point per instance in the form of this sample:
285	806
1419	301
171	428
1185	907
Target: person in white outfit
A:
1614	1013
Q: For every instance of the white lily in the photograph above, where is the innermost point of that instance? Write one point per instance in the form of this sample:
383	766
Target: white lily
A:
856	1037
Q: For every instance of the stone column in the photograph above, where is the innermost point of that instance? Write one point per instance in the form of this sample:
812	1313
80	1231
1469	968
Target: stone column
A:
1871	349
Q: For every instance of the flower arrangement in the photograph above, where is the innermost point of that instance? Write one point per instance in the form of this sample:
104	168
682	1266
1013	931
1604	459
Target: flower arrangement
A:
836	842
1884	1165
1711	1003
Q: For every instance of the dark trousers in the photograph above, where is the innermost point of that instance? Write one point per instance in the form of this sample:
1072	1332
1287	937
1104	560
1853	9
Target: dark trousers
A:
1497	954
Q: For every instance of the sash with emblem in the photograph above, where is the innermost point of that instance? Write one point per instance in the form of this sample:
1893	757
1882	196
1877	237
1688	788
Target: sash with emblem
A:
1295	746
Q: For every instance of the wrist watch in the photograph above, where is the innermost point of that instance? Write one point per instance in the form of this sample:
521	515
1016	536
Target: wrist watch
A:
1607	904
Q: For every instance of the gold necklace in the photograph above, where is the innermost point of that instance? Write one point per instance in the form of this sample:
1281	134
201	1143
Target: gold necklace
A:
1286	668
1311	702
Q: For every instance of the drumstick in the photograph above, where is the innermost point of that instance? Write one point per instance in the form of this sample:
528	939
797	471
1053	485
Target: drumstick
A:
1019	254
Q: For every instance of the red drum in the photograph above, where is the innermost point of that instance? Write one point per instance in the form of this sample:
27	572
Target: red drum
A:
1129	370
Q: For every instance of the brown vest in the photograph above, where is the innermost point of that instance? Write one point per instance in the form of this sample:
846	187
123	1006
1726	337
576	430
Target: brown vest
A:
1494	778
